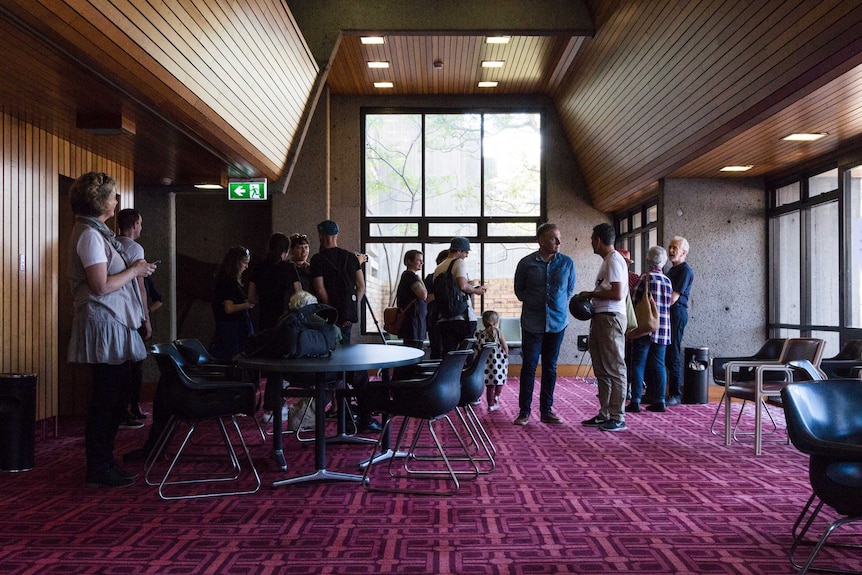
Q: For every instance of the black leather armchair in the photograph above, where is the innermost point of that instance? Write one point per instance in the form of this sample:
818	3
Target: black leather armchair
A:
428	400
193	401
824	420
846	363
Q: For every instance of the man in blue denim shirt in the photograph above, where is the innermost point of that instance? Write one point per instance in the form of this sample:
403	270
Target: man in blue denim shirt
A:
544	282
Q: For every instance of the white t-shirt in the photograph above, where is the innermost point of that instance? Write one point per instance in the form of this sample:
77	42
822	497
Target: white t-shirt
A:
134	250
613	269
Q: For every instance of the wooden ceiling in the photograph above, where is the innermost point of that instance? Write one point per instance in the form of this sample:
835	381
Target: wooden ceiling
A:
663	89
651	90
451	65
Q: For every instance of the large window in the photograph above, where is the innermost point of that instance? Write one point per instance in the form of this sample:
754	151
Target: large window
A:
431	176
637	232
810	295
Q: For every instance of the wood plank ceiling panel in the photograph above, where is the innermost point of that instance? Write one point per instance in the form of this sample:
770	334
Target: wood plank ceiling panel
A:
530	62
835	109
638	103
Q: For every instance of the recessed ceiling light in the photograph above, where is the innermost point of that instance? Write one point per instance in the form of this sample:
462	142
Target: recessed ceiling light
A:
493	63
804	137
384	85
206	186
736	168
497	39
371	39
378	64
487	84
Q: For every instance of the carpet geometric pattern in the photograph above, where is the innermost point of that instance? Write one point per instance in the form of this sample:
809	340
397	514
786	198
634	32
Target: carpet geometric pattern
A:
665	496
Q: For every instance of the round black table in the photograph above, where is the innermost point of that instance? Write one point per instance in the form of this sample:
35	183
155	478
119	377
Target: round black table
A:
352	357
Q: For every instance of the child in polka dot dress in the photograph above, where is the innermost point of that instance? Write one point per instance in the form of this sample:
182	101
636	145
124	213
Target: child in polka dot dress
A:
497	368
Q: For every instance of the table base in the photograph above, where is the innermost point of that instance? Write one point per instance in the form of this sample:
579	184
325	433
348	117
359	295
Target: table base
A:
319	475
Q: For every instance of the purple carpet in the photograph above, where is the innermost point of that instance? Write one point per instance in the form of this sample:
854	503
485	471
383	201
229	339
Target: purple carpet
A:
663	497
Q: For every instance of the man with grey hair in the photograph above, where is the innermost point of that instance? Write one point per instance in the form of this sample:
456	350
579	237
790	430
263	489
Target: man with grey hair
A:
681	277
648	351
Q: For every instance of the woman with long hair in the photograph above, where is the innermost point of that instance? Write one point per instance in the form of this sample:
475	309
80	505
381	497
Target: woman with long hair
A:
230	305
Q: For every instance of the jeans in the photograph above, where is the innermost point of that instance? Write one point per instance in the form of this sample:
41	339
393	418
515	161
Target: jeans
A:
647	358
674	359
532	346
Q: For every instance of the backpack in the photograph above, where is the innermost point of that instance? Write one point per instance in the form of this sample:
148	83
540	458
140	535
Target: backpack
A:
296	335
450	300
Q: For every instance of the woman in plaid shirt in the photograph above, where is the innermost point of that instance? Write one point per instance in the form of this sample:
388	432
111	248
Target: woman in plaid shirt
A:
648	351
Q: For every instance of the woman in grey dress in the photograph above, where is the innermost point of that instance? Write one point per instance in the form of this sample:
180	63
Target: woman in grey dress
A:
108	310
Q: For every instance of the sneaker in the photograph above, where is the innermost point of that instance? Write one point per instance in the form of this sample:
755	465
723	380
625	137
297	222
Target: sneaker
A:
131	423
522	420
267	415
613	425
593	421
551	417
674	401
494	407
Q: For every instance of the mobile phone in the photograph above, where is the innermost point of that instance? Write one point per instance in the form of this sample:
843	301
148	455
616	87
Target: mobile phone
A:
157	262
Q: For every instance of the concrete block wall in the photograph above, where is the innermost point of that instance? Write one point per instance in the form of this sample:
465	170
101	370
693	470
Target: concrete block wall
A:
724	222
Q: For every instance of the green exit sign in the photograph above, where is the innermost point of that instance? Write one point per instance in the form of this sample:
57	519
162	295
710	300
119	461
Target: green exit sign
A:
247	189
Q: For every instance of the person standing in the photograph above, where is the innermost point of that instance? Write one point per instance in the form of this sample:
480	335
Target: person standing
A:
681	277
131	224
231	306
410	297
337	280
270	288
299	250
544	283
648	351
608	331
436	347
454	329
108	310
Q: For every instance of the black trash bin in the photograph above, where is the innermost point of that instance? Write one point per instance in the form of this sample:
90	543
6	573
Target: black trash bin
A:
695	383
17	421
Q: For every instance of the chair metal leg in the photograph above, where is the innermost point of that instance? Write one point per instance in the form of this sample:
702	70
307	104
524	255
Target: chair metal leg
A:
717	411
404	463
822	542
479	449
235	467
811	511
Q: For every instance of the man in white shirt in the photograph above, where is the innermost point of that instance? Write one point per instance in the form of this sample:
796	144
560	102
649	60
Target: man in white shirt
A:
131	225
608	331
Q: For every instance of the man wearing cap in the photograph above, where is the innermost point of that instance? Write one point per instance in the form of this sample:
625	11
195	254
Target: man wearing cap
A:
337	280
453	330
544	282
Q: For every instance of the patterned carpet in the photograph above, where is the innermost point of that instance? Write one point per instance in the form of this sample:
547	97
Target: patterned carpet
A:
663	497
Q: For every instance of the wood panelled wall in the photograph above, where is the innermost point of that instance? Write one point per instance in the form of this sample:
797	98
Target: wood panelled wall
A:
660	81
32	161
